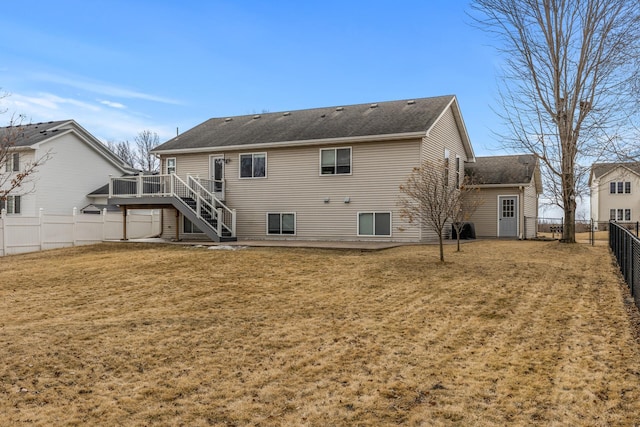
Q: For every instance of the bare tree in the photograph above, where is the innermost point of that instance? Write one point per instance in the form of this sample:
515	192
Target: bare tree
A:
122	149
568	86
16	169
144	143
430	199
468	201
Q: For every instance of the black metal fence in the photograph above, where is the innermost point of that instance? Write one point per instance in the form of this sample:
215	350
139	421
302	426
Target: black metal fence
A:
626	248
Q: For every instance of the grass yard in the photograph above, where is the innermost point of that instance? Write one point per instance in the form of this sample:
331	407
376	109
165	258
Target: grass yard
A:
517	333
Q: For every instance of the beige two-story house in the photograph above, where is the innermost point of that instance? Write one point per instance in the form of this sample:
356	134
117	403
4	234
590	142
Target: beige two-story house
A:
328	173
614	192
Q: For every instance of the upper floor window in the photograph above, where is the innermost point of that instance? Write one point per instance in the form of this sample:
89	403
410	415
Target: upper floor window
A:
335	161
11	204
253	165
13	162
620	187
457	171
171	165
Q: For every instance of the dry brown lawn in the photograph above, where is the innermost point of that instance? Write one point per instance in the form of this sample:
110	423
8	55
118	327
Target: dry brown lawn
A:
518	333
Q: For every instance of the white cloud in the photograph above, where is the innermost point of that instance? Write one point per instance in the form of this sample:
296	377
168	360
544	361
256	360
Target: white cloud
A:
104	123
112	104
101	88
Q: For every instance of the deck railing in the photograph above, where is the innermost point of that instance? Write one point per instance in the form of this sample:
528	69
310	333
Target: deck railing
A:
170	185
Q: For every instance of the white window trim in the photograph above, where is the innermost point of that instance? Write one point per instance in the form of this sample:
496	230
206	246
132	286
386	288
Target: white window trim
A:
252	154
616	185
336	151
175	165
295	223
374	224
11	200
10	164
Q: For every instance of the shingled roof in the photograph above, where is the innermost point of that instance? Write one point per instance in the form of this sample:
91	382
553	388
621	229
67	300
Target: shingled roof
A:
384	118
32	133
600	169
503	170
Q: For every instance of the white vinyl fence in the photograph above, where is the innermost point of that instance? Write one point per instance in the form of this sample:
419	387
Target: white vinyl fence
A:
20	234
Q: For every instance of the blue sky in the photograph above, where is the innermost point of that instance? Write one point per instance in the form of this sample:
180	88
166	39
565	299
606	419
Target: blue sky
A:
120	67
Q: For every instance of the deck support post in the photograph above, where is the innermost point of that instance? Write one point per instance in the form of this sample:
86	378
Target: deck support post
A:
177	225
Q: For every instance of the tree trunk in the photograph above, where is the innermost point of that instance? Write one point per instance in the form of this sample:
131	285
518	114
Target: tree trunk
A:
441	247
569	226
569	200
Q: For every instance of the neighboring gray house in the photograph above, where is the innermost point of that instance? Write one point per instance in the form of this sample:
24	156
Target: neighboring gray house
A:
78	163
614	188
319	174
509	187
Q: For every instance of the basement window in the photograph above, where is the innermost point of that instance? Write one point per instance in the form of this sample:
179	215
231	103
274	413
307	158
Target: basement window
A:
374	223
281	223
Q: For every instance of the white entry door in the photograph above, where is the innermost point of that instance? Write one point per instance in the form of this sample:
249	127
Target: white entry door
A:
508	216
216	170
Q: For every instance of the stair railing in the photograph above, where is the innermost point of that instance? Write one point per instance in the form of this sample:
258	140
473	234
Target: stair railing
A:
171	185
226	217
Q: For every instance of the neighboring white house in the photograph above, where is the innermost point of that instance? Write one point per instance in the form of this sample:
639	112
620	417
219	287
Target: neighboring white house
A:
615	192
77	164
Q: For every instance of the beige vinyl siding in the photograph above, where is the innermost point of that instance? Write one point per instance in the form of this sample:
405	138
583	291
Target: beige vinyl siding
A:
444	136
485	218
294	185
606	200
530	211
189	164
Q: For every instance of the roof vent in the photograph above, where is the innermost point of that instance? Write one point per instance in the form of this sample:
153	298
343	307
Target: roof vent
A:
411	102
257	116
286	114
228	119
339	108
373	106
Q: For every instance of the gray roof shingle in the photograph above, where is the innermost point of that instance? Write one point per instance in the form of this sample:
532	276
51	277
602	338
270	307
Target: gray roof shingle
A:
384	118
32	133
599	169
516	169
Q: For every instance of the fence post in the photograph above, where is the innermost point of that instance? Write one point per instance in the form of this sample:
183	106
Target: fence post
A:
40	226
104	224
3	218
73	233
